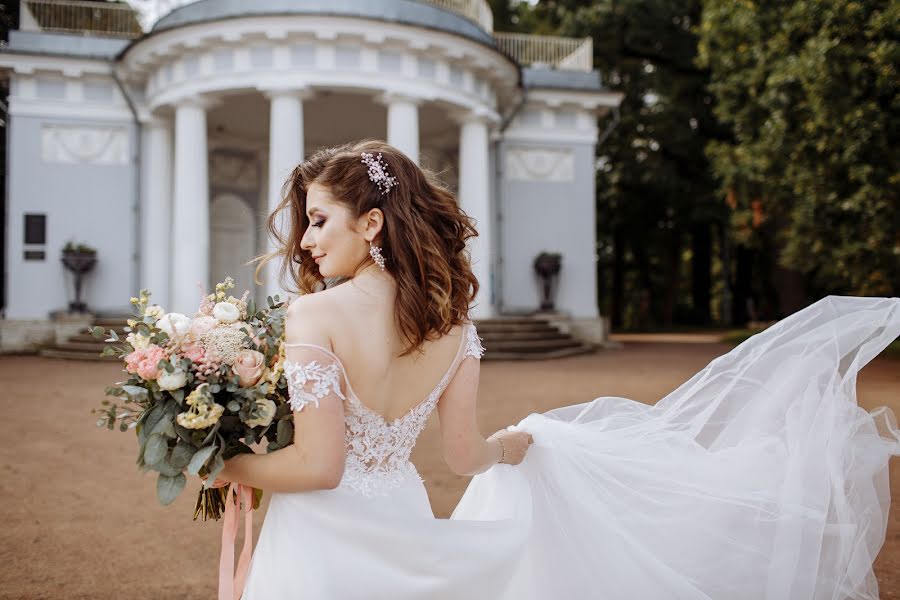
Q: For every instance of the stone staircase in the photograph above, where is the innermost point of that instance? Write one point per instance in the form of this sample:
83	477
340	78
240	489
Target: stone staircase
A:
83	346
527	338
504	338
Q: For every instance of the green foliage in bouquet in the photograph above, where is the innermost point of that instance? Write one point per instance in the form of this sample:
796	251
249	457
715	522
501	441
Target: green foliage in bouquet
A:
200	390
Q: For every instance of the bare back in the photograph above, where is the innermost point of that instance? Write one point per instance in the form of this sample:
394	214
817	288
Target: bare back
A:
365	336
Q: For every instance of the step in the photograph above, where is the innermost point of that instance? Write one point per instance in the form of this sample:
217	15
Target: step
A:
512	328
110	322
530	345
87	337
509	321
553	334
80	346
550	354
76	355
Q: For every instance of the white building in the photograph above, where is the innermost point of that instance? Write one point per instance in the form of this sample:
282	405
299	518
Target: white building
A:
167	150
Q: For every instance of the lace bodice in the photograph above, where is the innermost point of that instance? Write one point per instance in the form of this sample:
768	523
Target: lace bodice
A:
378	451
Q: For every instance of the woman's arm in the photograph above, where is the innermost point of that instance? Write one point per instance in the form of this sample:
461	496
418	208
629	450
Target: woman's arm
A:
466	451
316	459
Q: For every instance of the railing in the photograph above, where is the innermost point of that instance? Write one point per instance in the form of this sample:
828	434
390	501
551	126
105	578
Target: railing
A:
572	54
87	18
474	10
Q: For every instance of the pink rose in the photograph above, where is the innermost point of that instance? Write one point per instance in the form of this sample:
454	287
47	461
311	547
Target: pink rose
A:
150	355
147	369
133	361
147	366
248	366
193	352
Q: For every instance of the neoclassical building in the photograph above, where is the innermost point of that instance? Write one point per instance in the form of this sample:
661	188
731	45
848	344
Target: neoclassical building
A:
166	150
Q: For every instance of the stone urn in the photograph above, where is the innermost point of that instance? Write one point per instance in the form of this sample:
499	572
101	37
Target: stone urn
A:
79	259
547	266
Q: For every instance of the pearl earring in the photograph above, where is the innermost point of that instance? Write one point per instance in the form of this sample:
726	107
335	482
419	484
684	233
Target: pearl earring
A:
375	251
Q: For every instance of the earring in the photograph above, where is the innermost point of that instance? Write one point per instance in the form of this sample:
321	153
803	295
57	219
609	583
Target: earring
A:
375	251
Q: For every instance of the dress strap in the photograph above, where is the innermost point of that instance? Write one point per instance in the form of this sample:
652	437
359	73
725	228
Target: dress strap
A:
332	355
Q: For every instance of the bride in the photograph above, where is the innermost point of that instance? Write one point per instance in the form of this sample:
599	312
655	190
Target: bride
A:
760	477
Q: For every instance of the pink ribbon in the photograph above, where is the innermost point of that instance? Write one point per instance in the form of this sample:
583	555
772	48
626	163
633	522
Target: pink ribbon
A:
231	582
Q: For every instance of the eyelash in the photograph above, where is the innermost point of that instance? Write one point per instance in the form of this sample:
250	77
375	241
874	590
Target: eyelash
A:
318	223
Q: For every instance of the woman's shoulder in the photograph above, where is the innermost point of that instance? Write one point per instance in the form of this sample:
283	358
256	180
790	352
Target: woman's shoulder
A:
309	318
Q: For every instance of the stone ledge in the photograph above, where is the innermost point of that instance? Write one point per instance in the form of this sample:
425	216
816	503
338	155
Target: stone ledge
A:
30	335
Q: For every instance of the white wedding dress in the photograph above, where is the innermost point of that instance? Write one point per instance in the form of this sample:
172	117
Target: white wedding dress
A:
758	478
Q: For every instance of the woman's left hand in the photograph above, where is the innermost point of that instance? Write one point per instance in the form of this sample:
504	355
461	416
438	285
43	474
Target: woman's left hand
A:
222	479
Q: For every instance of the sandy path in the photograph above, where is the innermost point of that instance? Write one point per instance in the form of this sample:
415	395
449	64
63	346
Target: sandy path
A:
82	522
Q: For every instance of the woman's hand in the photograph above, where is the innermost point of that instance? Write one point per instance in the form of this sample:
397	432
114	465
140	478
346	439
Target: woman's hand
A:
222	479
515	445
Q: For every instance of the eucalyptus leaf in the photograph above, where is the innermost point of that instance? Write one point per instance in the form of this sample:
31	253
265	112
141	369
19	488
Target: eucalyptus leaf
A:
166	428
234	405
135	391
166	467
181	455
178	395
153	418
168	488
184	433
285	432
216	468
155	449
199	459
212	432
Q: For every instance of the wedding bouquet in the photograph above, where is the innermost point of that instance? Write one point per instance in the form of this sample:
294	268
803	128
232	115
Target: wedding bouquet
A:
200	389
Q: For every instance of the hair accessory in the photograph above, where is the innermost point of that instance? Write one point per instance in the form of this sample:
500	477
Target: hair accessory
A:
378	171
375	251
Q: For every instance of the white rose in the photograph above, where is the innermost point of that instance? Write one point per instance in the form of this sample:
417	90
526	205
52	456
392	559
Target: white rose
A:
155	310
174	324
171	381
226	312
138	341
266	410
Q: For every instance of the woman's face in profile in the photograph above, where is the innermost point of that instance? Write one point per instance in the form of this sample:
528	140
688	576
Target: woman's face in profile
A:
330	239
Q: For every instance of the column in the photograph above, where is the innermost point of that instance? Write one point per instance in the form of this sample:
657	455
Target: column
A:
403	123
190	211
156	210
285	153
475	200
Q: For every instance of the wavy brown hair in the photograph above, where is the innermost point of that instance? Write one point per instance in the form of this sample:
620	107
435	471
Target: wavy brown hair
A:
423	238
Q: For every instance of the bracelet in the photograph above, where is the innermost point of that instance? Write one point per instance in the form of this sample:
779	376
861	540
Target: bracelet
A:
502	450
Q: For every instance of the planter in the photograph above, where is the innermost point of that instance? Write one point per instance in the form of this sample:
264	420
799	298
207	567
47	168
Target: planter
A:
547	266
79	262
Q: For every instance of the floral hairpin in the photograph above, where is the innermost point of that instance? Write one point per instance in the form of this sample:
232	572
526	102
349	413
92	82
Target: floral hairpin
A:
378	172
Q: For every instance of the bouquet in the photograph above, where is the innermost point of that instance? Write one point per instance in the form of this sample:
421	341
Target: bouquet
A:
200	389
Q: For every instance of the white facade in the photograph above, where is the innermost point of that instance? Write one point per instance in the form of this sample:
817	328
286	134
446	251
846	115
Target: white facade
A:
168	152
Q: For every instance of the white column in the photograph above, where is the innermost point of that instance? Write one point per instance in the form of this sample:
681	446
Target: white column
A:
285	153
156	210
403	123
475	200
190	214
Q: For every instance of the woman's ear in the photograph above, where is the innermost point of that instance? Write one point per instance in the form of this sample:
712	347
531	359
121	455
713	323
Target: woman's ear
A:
371	223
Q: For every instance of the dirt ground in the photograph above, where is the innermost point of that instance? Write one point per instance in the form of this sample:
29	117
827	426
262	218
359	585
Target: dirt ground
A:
82	522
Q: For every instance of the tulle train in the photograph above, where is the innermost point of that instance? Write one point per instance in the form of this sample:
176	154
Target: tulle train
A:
758	478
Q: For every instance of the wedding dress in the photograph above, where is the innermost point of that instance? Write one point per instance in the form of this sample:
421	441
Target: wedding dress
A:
759	477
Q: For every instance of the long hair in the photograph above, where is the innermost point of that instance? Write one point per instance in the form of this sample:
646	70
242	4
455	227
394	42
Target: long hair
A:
423	238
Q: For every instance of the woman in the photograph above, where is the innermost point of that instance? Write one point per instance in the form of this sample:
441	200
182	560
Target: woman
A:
759	477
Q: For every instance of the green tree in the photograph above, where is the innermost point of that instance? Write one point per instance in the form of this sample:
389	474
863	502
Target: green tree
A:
657	201
811	92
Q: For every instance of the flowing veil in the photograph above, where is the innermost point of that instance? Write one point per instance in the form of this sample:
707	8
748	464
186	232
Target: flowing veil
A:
759	477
